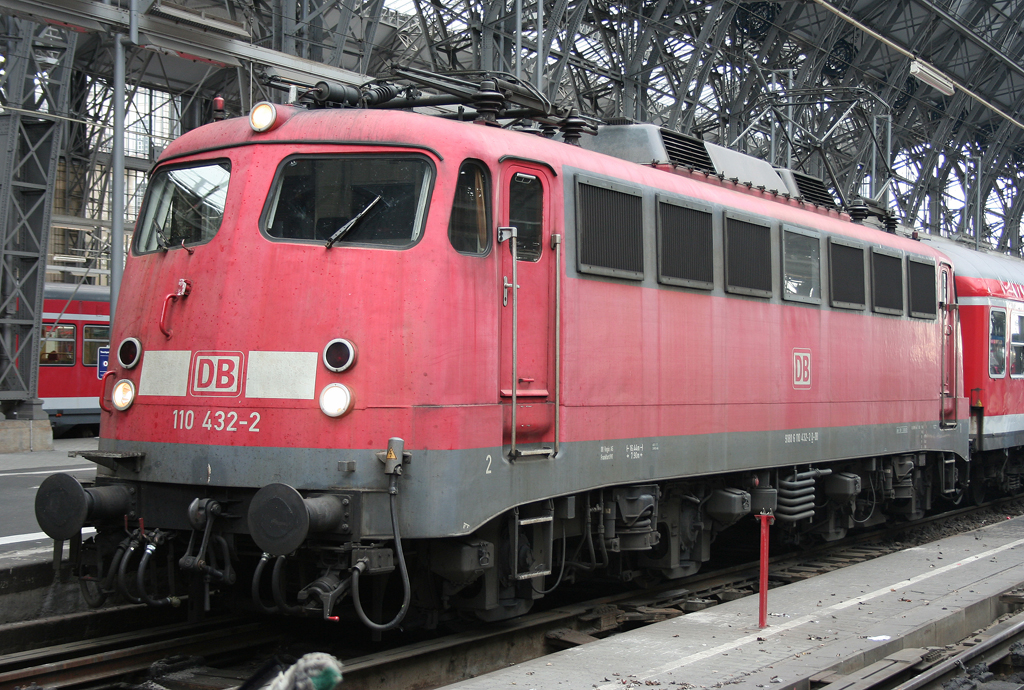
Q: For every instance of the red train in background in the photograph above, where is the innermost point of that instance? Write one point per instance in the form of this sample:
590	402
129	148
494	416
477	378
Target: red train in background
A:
76	323
354	340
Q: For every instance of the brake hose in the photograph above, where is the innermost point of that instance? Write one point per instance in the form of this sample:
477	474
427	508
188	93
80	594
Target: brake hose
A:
361	565
122	571
140	581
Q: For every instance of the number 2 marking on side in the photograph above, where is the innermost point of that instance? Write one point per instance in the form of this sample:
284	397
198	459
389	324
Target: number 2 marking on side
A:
488	464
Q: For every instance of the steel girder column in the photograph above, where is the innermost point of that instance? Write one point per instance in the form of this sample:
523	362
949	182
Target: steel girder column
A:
36	89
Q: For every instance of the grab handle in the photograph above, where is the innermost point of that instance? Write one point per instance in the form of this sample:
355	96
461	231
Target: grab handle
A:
103	390
184	290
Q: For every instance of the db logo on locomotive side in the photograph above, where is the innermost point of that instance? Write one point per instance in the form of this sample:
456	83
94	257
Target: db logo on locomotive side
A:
801	368
217	373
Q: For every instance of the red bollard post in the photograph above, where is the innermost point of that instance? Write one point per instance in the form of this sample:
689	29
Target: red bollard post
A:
762	613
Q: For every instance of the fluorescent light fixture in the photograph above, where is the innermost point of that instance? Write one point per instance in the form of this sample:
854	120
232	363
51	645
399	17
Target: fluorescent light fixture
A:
932	77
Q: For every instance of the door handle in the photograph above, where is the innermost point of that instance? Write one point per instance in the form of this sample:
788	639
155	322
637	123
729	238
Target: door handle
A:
506	285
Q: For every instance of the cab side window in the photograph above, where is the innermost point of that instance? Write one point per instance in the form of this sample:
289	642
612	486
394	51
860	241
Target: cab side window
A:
469	227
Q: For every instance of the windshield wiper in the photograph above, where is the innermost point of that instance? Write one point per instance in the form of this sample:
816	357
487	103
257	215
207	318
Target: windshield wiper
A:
343	230
161	241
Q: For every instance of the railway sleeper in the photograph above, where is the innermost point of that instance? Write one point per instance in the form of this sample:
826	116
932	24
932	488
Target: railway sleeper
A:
304	553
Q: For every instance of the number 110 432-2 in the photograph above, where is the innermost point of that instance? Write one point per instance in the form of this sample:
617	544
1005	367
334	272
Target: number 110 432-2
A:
217	420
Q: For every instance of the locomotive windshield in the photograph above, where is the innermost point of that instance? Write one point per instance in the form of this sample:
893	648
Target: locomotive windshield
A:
184	205
314	197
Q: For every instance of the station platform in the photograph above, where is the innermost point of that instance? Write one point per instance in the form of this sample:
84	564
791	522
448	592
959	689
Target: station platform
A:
833	624
21	539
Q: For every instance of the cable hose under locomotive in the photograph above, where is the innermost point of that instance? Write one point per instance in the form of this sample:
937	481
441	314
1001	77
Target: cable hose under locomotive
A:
257	576
140	581
406	585
277	587
122	573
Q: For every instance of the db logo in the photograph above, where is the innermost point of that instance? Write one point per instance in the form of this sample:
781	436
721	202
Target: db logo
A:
217	373
801	368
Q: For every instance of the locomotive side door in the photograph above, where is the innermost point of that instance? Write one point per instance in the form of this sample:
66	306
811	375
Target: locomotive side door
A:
948	317
526	301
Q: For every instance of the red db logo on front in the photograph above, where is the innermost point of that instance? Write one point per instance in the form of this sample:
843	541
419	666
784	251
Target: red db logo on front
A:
801	368
217	373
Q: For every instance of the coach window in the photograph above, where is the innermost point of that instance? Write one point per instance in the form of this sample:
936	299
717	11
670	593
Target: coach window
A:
58	345
997	344
526	214
1017	346
468	229
93	338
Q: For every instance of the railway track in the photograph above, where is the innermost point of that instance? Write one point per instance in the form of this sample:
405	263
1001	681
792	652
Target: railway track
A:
206	647
98	661
981	662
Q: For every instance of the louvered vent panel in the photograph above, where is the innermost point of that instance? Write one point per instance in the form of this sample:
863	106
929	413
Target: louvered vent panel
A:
687	255
748	268
814	190
610	231
688	152
922	289
847	273
887	283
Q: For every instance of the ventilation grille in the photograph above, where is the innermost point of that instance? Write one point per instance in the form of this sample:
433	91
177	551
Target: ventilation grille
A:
847	273
748	267
887	283
814	190
922	289
686	249
610	230
688	152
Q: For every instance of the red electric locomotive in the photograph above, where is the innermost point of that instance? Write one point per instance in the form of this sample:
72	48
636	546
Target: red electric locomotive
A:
76	323
355	340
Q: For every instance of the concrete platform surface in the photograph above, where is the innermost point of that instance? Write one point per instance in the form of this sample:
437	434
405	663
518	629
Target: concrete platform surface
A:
57	456
841	621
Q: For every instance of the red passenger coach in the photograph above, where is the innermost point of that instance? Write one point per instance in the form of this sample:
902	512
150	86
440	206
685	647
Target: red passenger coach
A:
352	341
990	295
76	323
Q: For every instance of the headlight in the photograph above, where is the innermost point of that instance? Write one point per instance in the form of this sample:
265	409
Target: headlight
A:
339	354
123	395
262	116
335	400
128	352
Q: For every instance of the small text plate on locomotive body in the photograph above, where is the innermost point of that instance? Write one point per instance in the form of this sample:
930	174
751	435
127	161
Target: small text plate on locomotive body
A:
607	452
803	437
801	368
